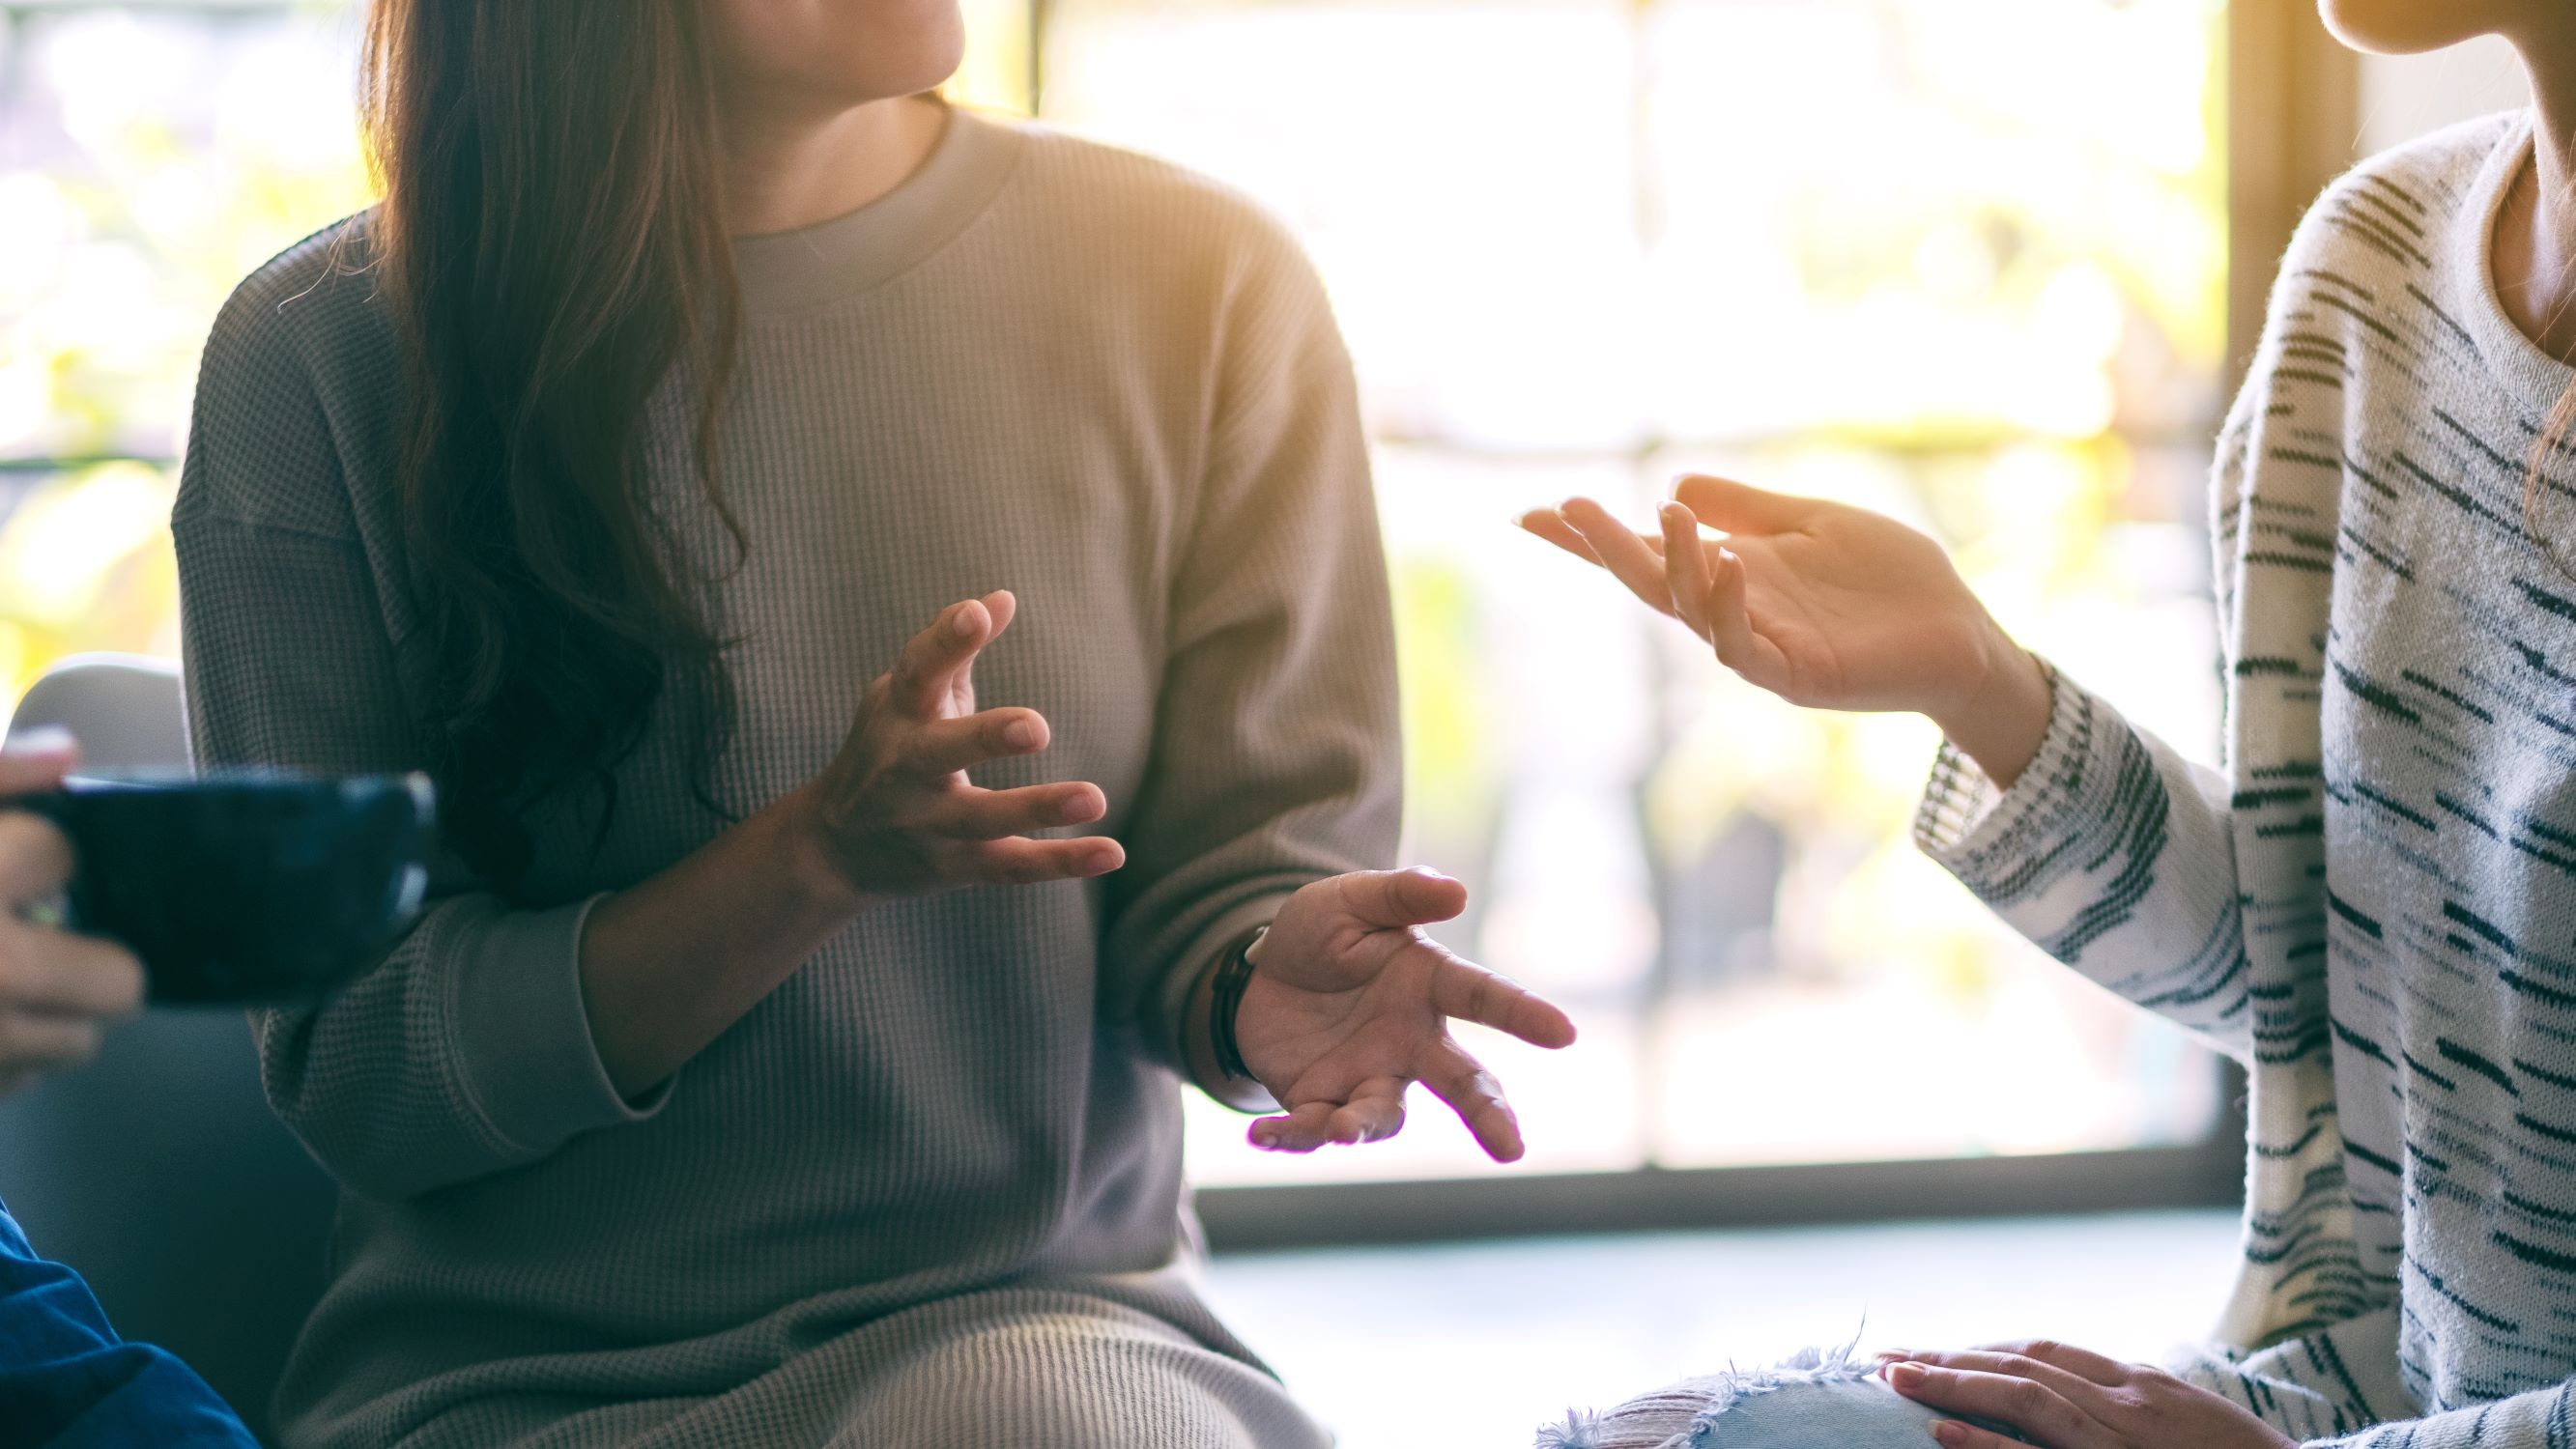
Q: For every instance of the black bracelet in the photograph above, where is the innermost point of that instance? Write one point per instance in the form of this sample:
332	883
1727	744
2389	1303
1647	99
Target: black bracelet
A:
1233	974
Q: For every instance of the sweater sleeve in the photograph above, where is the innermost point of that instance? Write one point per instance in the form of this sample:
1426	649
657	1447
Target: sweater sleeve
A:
2111	851
2315	1387
2540	1419
1275	758
468	1049
2113	854
2338	1388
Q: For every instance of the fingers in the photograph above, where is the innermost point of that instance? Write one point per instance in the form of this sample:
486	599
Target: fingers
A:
996	814
36	760
1461	1081
2026	1404
1732	507
1686	570
2077	1389
1374	1113
1549	524
1469	992
1004	606
1019	861
1301	1128
1951	1434
1622	552
1730	628
947	746
31	1041
935	661
35	858
2084	1363
1392	898
61	974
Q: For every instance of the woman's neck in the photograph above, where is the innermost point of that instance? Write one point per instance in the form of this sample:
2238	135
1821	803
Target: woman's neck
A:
787	168
2534	250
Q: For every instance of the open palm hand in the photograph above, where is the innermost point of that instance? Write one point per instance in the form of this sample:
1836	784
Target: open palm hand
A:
1349	1005
1825	605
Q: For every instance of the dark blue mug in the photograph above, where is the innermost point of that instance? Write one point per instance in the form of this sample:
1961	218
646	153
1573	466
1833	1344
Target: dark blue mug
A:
249	887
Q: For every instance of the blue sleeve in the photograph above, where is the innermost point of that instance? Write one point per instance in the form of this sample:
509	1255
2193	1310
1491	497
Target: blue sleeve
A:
68	1382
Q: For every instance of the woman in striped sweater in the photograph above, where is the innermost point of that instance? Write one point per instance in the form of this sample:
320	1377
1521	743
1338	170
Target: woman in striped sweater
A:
2373	904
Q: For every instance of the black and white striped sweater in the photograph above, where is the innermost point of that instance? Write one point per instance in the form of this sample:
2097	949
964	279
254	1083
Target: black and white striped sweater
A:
2374	904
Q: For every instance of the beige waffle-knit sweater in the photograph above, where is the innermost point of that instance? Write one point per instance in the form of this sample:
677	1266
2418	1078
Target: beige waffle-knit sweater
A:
929	1191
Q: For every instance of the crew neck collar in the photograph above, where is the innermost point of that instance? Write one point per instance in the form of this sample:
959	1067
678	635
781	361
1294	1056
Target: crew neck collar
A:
2534	379
812	266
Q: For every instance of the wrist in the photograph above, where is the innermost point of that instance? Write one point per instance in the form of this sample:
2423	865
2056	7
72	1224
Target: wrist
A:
1201	1031
813	869
2002	718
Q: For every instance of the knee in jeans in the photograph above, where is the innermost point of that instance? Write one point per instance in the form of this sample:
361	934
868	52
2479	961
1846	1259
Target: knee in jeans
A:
1813	1401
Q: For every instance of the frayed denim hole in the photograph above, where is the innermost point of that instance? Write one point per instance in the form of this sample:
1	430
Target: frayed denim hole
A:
1581	1430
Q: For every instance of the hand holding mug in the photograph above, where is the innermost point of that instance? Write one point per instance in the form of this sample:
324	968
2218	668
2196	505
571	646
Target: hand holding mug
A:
57	989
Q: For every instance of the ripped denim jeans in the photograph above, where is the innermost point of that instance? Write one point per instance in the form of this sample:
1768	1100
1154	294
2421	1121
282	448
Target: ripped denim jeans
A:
1819	1399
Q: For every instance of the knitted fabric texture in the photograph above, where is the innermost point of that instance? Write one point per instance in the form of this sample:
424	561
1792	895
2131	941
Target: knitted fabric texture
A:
928	1191
2370	904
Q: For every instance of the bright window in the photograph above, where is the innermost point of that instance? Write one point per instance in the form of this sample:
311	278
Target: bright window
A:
1963	260
148	160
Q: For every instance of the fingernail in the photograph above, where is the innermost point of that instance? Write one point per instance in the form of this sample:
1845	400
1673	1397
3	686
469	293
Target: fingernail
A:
1074	809
1905	1375
1021	733
964	623
1950	1431
41	740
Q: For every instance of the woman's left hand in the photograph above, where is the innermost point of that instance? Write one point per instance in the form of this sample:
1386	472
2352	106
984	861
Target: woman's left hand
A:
1348	1006
2066	1398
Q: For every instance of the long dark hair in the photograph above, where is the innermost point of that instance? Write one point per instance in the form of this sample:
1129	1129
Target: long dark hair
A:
553	250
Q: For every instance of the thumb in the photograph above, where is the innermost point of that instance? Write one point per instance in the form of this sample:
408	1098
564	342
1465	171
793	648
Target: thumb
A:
36	760
1415	897
1732	507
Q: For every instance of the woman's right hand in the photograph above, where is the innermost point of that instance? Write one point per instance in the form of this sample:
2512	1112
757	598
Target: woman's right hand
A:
895	815
58	990
1827	606
671	963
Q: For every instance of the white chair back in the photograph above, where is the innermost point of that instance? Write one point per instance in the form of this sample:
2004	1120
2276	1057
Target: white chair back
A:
124	708
158	1170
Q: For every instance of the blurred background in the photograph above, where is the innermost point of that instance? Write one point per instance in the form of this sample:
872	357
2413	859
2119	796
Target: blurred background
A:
1988	265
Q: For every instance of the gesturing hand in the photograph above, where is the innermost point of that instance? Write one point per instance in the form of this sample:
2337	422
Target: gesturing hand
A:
1348	1006
1825	605
895	813
2066	1398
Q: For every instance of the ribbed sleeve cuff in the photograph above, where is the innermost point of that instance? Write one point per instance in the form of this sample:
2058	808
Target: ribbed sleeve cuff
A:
522	1033
1985	835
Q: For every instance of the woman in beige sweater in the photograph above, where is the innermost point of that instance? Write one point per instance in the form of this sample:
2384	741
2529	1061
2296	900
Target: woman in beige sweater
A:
773	1068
